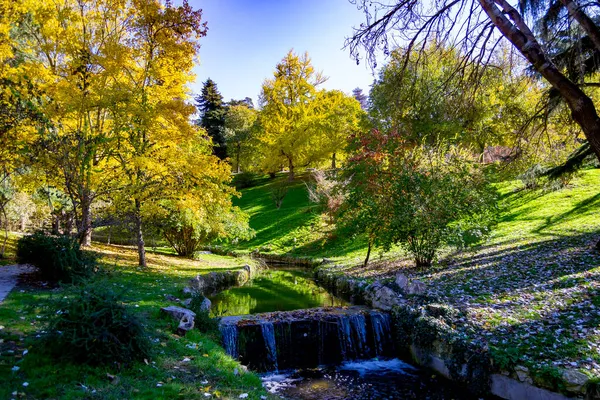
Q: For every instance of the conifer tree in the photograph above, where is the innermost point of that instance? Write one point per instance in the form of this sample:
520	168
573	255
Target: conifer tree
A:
212	116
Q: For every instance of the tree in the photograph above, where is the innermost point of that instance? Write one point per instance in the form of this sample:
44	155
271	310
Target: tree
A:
161	155
239	123
212	116
337	117
361	98
471	25
416	195
288	114
415	95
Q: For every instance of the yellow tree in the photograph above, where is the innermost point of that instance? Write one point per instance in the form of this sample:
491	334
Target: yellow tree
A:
337	117
165	160
239	123
288	114
73	55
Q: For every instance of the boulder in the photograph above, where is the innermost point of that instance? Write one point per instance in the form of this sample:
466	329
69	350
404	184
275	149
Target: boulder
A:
523	374
410	286
184	316
382	297
206	304
574	380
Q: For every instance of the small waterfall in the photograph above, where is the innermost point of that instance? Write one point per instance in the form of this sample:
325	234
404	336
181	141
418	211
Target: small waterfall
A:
229	332
345	337
359	329
268	332
307	338
381	325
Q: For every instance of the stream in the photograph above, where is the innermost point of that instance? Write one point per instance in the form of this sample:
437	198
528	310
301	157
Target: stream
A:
310	345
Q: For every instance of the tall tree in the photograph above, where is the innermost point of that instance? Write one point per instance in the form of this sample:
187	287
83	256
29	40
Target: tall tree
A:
472	25
152	118
361	98
212	116
239	123
288	113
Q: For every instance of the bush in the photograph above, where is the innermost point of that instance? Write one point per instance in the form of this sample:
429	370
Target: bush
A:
531	178
244	180
91	325
203	321
278	193
59	258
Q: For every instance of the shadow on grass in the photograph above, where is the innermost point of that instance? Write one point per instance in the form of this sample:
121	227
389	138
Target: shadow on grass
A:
544	264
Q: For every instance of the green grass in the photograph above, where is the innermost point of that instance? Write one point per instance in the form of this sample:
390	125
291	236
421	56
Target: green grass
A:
165	375
297	228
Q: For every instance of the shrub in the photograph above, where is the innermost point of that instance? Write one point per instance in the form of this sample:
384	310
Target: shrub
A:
244	180
422	197
203	321
91	325
278	193
59	258
531	178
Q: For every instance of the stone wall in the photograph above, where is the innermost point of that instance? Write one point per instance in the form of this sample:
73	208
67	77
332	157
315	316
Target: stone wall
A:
423	332
215	282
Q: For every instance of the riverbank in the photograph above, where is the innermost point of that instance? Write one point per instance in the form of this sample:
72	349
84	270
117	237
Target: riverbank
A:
193	366
530	295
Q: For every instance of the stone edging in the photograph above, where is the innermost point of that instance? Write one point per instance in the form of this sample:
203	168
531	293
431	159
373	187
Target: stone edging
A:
424	336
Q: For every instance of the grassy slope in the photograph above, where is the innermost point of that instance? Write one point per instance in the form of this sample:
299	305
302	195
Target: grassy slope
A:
210	369
296	228
536	274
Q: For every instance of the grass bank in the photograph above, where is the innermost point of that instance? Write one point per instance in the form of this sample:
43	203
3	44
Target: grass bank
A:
181	367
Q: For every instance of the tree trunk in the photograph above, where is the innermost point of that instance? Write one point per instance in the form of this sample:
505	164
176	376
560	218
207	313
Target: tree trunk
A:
55	224
333	166
85	230
291	176
519	34
139	234
368	253
3	249
23	224
109	232
237	158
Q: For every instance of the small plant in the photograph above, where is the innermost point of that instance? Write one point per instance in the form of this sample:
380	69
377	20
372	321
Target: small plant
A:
91	325
532	177
59	258
203	321
244	180
278	193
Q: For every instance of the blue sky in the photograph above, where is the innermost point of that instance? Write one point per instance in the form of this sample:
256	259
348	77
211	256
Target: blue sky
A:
247	38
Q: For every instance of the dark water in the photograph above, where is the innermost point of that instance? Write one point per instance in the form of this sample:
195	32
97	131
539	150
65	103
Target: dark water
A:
281	289
362	380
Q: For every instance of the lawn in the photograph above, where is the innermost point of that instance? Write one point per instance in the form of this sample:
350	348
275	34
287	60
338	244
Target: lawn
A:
181	367
532	291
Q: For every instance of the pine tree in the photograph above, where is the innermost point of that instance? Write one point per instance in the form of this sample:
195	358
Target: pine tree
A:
361	97
212	116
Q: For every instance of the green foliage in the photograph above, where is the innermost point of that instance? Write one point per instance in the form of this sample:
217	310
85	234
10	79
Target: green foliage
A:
244	180
203	321
59	258
418	196
278	193
91	325
505	358
212	116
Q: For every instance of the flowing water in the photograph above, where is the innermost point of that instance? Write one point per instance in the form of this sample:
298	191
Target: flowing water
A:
362	380
314	346
281	289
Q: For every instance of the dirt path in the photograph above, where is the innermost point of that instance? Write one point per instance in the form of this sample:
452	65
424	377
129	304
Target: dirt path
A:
9	275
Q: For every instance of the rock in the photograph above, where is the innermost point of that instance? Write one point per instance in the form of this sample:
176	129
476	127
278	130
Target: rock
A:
206	304
326	261
402	281
170	297
382	297
188	290
183	315
186	302
523	374
416	287
574	380
410	286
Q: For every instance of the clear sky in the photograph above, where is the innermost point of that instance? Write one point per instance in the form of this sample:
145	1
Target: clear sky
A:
247	38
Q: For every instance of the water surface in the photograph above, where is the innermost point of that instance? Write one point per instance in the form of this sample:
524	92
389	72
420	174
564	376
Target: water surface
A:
276	289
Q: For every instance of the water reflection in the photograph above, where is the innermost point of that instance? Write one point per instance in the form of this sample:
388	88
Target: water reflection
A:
284	289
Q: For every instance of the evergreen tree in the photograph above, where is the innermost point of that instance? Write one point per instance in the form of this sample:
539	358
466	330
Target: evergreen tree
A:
361	97
212	116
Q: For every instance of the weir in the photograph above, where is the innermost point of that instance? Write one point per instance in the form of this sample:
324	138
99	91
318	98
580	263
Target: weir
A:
307	338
